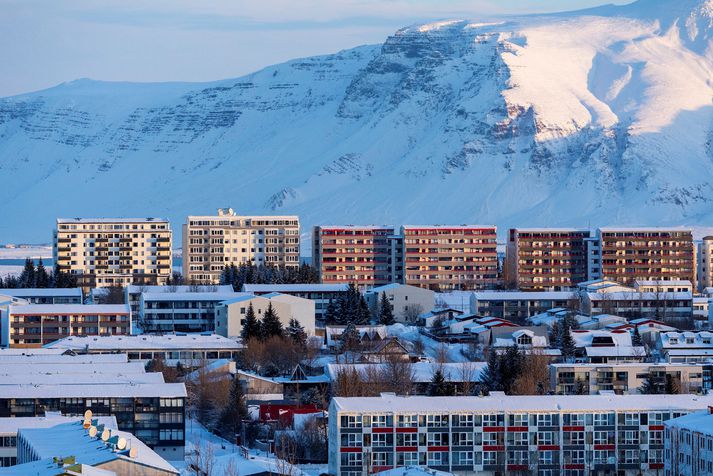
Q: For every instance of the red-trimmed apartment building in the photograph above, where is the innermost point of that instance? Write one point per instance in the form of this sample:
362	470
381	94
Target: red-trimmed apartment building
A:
497	435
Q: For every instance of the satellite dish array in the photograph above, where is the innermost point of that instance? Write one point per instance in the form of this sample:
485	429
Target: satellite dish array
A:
117	443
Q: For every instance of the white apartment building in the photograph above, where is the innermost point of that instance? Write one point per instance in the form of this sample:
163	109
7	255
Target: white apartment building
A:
103	252
210	243
688	444
407	302
498	434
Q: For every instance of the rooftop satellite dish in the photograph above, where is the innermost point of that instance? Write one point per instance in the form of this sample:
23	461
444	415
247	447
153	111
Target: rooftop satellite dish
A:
106	434
92	431
88	415
121	444
133	452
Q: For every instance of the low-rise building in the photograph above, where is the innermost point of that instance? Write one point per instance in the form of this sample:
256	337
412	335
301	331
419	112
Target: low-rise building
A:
40	381
44	295
602	346
72	447
518	305
321	294
133	292
181	311
629	378
691	347
659	286
407	302
498	434
528	339
35	325
189	350
367	333
634	304
688	444
230	314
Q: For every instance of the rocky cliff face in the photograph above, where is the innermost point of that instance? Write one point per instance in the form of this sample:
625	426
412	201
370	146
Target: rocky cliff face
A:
601	117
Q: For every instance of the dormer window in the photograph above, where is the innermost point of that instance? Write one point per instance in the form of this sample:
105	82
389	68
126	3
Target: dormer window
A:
673	340
524	340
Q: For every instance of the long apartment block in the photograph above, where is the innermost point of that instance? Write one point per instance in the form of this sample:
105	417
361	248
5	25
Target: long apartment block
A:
631	254
498	434
546	259
438	257
210	243
36	325
104	252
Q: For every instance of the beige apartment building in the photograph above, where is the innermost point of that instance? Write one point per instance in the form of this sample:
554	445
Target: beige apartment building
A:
444	257
210	243
354	254
661	254
705	263
103	252
546	259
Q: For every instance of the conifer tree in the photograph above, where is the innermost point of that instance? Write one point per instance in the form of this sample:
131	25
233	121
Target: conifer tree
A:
271	325
350	338
567	344
649	387
27	277
235	410
296	332
330	316
42	278
492	375
386	311
439	386
251	326
510	367
636	339
555	335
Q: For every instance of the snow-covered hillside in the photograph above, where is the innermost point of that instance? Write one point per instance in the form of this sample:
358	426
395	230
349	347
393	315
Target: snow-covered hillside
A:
602	117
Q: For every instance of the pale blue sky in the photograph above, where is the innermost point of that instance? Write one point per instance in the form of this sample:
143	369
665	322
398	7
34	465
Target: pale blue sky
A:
46	42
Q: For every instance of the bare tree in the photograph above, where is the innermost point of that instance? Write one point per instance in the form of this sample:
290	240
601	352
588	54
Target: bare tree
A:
467	375
202	461
411	313
534	378
442	353
398	376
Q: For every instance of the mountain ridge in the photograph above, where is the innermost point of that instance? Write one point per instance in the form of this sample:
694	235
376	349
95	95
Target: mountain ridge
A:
543	120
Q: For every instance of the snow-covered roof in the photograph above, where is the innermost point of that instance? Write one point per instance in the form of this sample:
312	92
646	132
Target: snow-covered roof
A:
72	439
294	288
662	282
422	371
41	292
65	309
450	227
388	287
70	368
56	356
524	295
584	338
242	297
88	390
11	425
700	422
411	471
680	340
142	288
190	296
624	365
146	341
517	403
111	220
358	227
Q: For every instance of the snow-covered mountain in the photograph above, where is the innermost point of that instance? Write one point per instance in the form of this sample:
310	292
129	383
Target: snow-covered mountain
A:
601	116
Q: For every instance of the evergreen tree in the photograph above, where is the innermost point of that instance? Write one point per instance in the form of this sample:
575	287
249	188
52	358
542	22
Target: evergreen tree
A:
251	326
567	344
363	313
350	338
296	332
636	339
511	367
439	386
492	375
649	387
271	325
42	278
27	277
555	335
386	311
350	307
673	385
235	410
330	316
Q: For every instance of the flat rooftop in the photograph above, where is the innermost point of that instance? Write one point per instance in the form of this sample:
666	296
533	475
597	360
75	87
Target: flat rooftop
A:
189	296
522	404
41	292
111	220
146	342
295	288
63	309
142	288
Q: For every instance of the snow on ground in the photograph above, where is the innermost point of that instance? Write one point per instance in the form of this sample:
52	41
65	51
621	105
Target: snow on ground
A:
432	348
7	270
225	453
31	251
